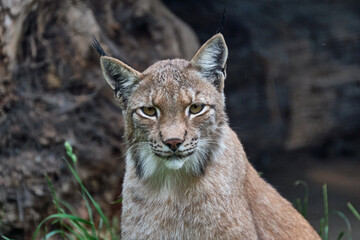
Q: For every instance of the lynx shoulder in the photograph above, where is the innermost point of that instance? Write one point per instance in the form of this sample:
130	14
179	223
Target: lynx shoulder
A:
187	176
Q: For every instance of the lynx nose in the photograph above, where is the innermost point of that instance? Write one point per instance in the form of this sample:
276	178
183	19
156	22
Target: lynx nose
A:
173	143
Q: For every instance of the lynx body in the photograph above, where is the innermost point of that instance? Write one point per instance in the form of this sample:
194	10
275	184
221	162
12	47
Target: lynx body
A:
187	176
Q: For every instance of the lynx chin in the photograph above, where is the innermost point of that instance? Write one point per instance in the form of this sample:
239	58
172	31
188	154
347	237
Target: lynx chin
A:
187	175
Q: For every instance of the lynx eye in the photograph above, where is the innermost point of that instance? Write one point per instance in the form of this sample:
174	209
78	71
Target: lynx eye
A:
196	108
150	111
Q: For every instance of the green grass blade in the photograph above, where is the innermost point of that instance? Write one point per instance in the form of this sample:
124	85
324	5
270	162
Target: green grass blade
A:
68	206
326	213
326	232
103	217
93	230
353	210
326	205
53	194
60	216
83	230
346	220
2	212
347	224
100	227
304	207
72	231
321	231
116	201
340	235
78	227
5	238
297	204
53	233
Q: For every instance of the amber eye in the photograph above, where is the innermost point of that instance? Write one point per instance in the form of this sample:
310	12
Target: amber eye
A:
150	111
196	108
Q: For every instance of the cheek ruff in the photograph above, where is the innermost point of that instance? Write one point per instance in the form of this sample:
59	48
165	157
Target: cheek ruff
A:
153	159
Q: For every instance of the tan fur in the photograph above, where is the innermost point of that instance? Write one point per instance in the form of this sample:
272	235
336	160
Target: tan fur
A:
207	189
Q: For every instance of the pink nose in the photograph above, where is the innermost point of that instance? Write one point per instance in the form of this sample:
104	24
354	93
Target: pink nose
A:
173	143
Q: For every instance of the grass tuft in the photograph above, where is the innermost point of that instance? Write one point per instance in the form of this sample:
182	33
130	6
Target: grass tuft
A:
302	206
66	224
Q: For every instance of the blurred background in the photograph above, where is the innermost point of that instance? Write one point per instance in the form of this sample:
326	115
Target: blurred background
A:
292	93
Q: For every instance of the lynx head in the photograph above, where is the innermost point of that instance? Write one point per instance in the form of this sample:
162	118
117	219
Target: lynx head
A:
174	110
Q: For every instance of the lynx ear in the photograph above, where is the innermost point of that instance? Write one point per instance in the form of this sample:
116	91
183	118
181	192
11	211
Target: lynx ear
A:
121	77
210	61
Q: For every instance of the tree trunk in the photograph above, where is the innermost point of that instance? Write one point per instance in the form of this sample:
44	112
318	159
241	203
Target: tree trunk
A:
52	90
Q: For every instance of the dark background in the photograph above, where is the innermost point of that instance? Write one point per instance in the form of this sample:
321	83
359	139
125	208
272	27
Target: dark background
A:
292	93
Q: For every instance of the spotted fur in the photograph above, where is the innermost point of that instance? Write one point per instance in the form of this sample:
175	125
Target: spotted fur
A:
205	188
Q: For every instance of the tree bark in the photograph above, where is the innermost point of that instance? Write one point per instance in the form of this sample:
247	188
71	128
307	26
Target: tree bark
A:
52	90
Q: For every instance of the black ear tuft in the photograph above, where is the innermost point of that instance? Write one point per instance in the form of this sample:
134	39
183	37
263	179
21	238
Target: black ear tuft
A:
221	25
97	46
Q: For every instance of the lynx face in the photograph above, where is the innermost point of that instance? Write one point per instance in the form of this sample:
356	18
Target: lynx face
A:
174	110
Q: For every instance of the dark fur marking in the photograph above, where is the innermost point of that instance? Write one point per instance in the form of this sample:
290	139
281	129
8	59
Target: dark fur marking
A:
136	198
139	168
204	164
223	70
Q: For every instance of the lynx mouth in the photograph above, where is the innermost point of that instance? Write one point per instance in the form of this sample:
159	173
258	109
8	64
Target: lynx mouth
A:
175	161
177	155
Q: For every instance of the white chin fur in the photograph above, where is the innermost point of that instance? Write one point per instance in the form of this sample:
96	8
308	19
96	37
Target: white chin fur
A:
174	164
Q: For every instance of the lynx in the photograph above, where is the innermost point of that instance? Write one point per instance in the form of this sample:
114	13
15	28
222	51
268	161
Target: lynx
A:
187	175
